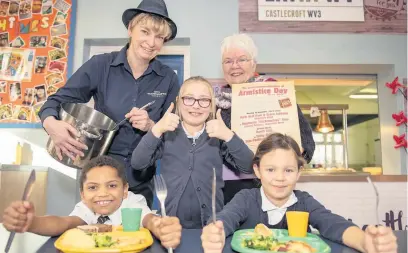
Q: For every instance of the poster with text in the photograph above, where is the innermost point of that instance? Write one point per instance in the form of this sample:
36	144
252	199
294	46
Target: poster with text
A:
262	108
34	51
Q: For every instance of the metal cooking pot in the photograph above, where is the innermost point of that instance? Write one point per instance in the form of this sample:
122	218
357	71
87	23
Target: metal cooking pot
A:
96	132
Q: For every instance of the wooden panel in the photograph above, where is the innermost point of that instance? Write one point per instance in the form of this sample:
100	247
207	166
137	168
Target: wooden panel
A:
388	24
325	107
351	178
12	186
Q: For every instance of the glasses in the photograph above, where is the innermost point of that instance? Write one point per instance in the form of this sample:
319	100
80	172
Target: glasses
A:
202	102
240	61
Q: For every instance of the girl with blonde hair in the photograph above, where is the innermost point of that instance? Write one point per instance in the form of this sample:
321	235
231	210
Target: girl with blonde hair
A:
190	143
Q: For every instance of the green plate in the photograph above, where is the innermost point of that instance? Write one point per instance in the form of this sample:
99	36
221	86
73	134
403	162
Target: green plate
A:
281	235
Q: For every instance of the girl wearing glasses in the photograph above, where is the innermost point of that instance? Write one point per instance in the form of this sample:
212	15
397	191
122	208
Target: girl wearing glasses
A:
190	143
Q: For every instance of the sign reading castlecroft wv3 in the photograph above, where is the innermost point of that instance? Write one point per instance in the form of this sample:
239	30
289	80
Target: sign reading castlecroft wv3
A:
311	10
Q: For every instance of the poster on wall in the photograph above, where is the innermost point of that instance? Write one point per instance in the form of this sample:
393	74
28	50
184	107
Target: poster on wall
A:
325	16
35	37
262	108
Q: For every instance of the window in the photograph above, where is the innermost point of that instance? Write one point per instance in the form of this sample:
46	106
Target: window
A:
329	150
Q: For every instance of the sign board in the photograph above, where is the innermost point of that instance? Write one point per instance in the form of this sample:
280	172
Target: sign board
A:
261	108
311	10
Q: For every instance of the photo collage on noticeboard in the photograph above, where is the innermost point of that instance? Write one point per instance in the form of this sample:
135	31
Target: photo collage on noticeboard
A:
34	36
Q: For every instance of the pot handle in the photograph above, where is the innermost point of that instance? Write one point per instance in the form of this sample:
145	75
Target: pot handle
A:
97	136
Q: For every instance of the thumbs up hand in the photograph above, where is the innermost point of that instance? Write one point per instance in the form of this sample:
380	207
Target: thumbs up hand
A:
217	128
168	122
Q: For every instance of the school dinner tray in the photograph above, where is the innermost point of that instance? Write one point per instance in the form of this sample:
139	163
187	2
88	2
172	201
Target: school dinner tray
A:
282	236
142	233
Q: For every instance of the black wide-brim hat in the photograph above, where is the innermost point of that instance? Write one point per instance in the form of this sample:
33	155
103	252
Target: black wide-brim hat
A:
155	7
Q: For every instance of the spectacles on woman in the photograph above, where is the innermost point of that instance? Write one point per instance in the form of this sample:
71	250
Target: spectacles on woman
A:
202	102
240	61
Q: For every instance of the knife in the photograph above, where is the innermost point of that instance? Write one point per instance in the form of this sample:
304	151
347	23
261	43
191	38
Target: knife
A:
213	196
26	194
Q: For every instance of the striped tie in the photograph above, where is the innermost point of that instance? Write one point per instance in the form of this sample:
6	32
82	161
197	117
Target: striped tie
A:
102	219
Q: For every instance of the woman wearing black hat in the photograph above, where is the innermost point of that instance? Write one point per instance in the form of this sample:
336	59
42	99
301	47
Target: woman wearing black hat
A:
120	83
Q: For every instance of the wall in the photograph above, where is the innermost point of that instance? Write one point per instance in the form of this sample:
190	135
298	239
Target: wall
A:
356	106
207	31
357	201
361	149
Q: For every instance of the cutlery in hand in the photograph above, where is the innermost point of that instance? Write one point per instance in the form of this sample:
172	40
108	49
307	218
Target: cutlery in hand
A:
214	183
26	194
161	193
377	199
142	108
147	105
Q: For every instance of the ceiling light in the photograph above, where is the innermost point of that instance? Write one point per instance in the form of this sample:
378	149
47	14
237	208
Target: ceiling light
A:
364	96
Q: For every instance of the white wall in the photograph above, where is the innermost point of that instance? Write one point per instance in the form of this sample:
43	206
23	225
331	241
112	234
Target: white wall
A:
361	148
356	200
208	29
201	21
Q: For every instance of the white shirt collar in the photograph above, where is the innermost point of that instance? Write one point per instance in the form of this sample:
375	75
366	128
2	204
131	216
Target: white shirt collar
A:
269	206
196	135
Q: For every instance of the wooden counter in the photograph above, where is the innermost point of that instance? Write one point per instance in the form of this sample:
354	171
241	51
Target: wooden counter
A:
349	177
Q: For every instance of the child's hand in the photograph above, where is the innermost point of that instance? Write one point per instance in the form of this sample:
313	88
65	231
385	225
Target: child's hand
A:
217	128
168	122
18	216
168	231
379	239
213	238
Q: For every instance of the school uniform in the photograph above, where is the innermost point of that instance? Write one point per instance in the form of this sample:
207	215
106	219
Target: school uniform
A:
187	164
234	182
90	217
250	207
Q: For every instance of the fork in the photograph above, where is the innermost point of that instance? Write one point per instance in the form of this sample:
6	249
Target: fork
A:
161	193
377	199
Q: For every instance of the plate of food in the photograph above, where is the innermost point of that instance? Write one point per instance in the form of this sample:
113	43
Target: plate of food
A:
265	240
96	239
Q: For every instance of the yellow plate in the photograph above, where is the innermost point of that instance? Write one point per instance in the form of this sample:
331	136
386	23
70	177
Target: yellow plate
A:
142	233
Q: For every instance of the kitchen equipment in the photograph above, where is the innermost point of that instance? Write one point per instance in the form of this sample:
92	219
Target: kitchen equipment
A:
95	128
19	151
26	194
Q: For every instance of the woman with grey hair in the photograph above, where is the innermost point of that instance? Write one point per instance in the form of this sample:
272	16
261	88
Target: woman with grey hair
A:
238	64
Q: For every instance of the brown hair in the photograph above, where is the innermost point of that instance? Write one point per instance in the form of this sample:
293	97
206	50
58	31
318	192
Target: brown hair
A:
156	23
196	79
101	161
278	141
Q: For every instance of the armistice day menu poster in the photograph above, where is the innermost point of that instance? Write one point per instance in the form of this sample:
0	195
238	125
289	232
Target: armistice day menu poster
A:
34	43
263	108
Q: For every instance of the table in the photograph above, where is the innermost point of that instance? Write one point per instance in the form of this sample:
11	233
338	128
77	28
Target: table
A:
190	243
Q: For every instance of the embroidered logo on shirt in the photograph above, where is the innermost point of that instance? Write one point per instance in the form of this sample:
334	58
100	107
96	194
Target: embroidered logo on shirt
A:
157	94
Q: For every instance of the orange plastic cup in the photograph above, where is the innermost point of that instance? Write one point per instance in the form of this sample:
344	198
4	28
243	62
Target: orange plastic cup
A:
297	223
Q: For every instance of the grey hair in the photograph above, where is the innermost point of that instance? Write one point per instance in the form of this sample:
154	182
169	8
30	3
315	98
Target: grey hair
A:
241	41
